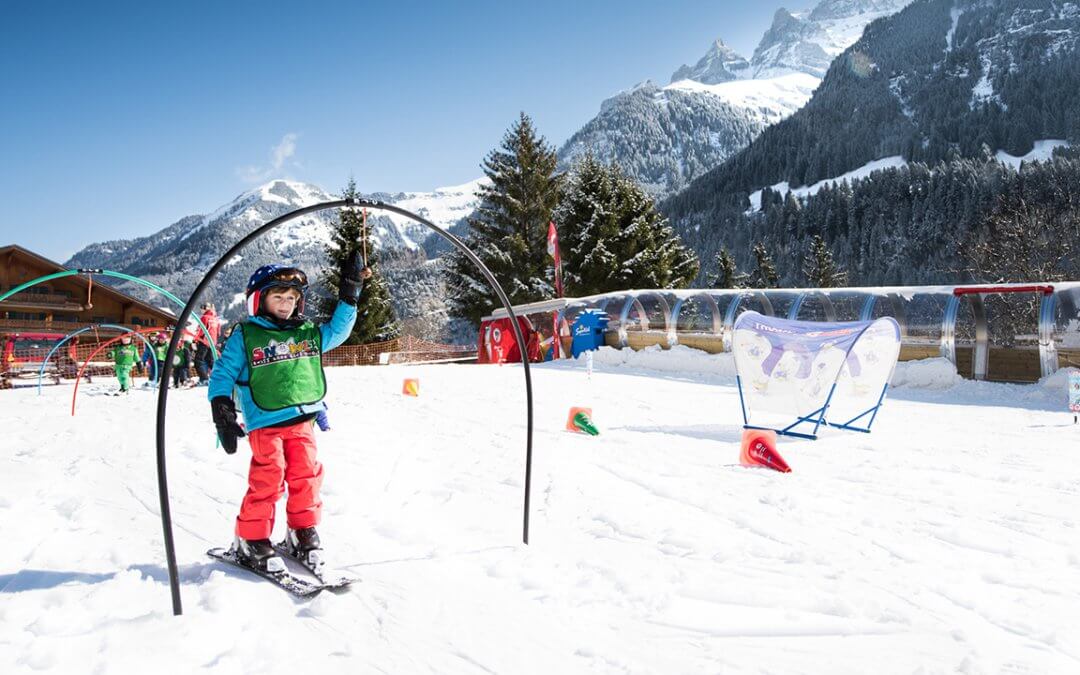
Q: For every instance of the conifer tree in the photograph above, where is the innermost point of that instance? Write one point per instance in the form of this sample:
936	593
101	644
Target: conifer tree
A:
765	276
509	230
819	268
727	272
612	238
376	320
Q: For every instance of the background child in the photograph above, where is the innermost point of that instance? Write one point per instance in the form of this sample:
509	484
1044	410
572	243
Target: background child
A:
204	360
124	356
161	349
182	362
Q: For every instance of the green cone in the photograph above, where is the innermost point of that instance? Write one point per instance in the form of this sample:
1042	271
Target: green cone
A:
582	421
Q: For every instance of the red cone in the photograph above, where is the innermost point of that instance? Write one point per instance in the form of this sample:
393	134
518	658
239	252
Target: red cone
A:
759	449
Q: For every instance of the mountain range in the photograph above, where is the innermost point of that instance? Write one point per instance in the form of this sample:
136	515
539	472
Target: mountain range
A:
938	82
666	136
846	87
178	256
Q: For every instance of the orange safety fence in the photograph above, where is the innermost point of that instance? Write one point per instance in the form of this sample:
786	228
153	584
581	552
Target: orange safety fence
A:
405	349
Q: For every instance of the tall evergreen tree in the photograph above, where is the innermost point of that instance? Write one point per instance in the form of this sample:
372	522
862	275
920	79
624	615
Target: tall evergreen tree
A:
376	320
819	268
727	272
509	230
612	238
765	275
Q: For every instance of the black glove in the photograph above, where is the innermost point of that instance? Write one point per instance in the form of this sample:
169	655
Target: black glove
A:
353	274
224	412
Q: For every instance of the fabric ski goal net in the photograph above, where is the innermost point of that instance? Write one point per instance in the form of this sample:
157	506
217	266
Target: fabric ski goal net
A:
795	376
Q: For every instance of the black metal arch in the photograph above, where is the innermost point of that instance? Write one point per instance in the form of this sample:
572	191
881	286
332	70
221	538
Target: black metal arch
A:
163	391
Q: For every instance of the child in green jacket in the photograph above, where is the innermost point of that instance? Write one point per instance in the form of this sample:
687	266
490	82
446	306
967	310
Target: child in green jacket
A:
124	357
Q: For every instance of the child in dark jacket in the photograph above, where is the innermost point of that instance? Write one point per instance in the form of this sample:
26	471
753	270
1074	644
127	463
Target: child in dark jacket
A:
204	361
182	363
274	362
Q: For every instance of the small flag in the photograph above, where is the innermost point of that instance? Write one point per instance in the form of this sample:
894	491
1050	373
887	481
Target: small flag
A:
553	251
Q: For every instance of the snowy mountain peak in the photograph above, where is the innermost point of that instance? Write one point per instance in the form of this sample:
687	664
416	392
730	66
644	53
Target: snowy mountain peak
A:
250	205
827	10
720	64
445	206
666	137
807	43
177	256
293	193
645	86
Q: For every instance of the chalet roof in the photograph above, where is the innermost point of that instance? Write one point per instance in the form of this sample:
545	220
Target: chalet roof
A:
85	282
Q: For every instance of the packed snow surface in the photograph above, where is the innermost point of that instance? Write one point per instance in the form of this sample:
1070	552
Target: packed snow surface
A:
945	541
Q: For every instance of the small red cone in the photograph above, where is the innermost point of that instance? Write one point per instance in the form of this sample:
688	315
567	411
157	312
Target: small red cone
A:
411	387
759	449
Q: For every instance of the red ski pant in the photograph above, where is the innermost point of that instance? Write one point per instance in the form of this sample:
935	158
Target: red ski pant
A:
280	456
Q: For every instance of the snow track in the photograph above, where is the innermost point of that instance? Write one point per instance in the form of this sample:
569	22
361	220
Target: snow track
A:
945	541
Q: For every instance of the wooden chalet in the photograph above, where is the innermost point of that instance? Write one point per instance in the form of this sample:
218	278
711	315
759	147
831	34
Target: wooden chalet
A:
61	305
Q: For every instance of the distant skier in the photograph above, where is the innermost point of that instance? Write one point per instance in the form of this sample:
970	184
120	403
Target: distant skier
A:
148	354
161	350
124	356
204	361
182	362
274	359
209	318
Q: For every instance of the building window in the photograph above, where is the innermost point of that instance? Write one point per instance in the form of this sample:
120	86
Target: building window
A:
26	316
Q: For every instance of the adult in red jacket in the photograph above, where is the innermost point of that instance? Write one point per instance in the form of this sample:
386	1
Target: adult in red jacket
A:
210	319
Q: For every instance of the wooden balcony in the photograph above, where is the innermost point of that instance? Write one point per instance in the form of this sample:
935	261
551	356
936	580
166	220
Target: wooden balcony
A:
65	327
50	302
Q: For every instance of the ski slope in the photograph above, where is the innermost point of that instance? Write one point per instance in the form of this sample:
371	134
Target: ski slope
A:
946	541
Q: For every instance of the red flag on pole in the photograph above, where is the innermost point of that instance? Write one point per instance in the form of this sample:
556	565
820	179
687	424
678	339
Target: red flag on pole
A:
553	251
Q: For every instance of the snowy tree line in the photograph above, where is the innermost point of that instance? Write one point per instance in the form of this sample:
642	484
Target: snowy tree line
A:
610	233
966	220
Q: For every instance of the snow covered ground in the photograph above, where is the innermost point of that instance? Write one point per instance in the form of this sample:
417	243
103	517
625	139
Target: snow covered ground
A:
946	541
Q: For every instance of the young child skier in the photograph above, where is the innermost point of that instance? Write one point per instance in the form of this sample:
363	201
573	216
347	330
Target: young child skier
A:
124	356
274	360
161	349
182	363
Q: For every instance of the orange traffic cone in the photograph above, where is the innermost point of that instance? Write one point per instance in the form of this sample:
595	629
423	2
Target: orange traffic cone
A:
411	387
580	421
759	449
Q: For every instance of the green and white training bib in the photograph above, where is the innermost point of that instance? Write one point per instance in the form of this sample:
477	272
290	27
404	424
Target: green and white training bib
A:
285	365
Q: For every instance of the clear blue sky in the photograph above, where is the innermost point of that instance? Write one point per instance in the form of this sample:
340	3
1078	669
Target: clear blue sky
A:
117	119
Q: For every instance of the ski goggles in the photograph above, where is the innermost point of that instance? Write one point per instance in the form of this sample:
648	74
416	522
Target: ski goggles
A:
288	276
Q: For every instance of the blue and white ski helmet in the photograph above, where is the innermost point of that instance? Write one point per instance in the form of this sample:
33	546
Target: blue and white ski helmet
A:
275	276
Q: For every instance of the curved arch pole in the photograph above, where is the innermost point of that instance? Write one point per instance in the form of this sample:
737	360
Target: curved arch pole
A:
163	391
103	345
125	329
